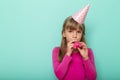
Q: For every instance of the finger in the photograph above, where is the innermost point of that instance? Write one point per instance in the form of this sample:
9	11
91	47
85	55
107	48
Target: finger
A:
70	44
79	49
72	41
83	44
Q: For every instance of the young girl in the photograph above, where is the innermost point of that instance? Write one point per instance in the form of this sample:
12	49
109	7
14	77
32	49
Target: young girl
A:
71	63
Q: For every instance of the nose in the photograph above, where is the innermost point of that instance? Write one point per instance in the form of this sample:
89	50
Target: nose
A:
74	34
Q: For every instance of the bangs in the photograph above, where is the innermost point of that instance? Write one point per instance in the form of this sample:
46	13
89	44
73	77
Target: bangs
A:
73	25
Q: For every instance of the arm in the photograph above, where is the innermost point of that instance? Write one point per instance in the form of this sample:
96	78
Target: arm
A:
89	66
60	69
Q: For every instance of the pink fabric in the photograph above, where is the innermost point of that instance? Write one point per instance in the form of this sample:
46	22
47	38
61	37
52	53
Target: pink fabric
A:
74	67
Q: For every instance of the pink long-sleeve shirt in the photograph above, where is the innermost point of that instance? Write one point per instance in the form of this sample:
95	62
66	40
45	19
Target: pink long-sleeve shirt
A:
74	67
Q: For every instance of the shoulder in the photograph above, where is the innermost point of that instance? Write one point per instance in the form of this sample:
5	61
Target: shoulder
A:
90	51
55	50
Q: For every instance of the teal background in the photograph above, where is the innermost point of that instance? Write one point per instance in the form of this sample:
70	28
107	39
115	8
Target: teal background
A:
30	29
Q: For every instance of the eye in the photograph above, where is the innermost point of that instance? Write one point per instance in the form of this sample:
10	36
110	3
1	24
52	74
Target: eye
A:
78	31
70	31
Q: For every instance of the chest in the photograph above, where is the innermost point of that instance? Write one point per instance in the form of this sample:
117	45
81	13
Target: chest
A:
76	58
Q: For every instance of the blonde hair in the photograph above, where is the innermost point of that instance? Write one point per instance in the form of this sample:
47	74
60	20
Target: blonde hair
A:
71	24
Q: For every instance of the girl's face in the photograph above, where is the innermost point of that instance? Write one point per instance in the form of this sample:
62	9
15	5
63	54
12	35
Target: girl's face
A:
72	35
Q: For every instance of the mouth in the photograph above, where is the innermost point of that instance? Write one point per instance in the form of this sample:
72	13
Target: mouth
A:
75	40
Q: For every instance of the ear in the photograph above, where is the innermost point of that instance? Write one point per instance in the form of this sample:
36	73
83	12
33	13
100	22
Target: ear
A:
63	34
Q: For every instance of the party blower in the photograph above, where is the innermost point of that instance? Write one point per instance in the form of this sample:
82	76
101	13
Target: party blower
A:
77	45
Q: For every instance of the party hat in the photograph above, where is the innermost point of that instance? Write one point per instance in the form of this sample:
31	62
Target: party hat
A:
80	15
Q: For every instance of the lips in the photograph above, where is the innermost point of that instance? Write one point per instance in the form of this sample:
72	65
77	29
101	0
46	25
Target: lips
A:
76	45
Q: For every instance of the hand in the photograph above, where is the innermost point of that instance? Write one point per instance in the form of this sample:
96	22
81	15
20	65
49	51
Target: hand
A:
69	48
83	50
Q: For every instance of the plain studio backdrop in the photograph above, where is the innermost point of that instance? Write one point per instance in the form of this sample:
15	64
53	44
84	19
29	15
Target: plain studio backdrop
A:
30	29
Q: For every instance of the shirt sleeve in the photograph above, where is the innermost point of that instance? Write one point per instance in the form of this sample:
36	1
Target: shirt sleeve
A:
89	66
60	68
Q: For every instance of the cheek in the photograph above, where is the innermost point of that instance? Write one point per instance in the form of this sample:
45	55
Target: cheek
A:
80	36
68	38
